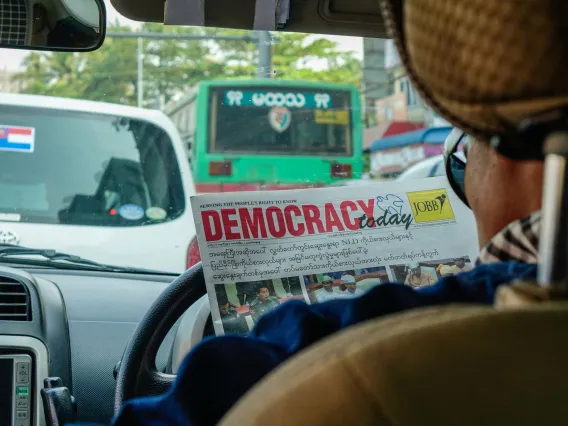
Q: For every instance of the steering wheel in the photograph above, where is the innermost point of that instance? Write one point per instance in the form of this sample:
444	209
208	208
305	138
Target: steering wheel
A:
137	374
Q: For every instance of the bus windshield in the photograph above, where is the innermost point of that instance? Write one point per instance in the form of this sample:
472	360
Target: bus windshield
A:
280	120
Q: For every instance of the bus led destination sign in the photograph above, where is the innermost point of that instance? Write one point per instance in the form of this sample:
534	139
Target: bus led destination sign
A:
278	99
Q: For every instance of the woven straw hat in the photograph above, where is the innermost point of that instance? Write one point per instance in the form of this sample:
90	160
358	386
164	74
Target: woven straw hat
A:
483	64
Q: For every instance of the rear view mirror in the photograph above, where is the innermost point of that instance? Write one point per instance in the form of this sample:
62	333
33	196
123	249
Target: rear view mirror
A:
56	25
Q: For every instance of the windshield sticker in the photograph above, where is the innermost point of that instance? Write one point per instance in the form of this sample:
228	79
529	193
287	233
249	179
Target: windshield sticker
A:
10	217
280	118
278	99
9	237
156	213
331	117
15	138
131	212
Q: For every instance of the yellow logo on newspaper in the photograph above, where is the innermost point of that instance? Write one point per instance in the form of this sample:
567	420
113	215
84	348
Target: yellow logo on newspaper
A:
431	205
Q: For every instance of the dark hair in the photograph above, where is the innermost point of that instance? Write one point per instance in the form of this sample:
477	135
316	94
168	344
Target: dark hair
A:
222	299
260	287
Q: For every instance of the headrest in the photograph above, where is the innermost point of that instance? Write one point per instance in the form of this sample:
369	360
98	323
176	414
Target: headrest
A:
15	22
485	65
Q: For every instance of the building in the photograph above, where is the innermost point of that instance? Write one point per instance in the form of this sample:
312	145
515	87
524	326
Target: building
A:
402	102
374	83
7	82
400	111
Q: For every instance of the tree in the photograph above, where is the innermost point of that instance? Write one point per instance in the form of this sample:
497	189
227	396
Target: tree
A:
293	56
172	66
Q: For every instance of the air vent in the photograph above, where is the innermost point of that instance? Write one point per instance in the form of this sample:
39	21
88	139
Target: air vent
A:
14	301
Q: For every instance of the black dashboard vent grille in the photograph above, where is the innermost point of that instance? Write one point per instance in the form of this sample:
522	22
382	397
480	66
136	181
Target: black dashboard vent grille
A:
14	301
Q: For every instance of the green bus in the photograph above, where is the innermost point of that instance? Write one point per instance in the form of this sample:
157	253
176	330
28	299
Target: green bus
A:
270	134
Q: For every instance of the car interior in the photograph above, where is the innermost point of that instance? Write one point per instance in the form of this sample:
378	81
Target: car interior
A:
81	341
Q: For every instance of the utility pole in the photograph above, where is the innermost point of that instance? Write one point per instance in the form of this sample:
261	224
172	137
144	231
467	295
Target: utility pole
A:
262	40
264	46
375	79
140	79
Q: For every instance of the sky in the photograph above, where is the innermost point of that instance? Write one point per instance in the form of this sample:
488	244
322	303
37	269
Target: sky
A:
10	59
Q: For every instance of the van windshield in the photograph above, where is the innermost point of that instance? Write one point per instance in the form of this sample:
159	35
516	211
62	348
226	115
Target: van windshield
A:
86	169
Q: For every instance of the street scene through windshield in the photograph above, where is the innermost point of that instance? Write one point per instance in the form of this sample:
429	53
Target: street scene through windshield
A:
101	151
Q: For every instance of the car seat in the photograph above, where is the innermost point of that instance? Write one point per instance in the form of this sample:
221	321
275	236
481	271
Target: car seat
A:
495	69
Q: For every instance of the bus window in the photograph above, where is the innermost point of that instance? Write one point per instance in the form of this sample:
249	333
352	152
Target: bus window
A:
293	122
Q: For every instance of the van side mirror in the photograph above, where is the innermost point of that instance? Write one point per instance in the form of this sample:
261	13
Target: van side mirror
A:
53	25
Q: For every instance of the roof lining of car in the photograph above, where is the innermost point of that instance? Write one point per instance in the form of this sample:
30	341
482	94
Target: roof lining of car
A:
360	18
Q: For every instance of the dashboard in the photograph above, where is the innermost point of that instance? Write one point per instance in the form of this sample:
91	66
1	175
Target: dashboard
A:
75	325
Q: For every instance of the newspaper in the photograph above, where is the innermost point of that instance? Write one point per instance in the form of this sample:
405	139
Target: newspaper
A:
262	249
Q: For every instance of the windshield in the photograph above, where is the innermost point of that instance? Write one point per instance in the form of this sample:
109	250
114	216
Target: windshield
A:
209	110
288	120
82	168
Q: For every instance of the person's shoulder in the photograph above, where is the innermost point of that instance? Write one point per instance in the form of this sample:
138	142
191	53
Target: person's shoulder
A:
498	272
479	284
516	270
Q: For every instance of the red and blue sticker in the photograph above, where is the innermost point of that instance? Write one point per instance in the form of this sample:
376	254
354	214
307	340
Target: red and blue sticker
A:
16	138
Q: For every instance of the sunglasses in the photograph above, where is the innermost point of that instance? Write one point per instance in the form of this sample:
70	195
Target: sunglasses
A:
455	158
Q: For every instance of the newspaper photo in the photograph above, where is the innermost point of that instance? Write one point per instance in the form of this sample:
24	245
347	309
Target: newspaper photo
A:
262	249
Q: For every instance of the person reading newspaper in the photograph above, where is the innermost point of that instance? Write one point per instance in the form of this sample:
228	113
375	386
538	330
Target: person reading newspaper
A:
508	231
505	196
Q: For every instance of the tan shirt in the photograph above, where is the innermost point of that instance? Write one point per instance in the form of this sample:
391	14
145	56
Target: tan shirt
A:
424	279
453	270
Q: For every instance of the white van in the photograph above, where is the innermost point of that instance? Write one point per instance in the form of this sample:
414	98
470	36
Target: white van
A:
430	167
106	182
